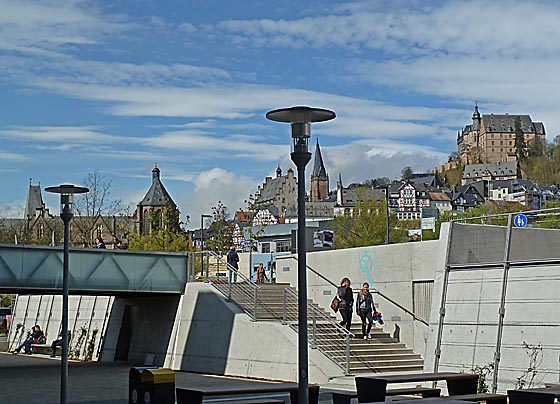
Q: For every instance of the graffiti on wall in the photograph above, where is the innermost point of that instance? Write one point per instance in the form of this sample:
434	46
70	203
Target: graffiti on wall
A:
370	264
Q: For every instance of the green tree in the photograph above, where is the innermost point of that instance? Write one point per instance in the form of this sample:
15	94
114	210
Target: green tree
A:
365	227
166	232
221	229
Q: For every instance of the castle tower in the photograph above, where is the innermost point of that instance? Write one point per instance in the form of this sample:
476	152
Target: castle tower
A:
319	177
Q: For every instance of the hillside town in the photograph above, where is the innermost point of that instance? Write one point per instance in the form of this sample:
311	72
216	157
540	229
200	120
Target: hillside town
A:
488	157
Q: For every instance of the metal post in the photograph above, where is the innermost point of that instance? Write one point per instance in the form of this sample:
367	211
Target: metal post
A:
255	296
66	215
207	266
201	245
314	330
347	370
301	119
387	214
502	309
302	287
284	304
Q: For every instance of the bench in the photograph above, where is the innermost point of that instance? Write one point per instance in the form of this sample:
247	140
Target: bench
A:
488	398
345	397
41	348
374	388
195	395
535	395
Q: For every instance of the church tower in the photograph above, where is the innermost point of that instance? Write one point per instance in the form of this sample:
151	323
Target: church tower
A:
156	202
319	177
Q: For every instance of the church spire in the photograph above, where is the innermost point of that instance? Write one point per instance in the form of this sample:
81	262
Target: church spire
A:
319	170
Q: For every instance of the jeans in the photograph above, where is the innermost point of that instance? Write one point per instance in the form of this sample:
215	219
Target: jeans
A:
231	271
366	315
55	343
26	345
346	314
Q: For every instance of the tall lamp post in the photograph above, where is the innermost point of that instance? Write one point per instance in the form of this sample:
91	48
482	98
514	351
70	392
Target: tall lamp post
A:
66	192
301	118
202	243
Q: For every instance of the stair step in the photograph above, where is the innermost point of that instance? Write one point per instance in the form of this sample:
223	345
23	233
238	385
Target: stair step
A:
382	353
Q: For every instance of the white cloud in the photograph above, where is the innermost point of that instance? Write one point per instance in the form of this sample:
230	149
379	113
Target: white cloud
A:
212	186
31	25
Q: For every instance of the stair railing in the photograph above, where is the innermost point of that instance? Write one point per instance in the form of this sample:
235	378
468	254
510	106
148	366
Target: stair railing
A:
234	285
400	306
319	321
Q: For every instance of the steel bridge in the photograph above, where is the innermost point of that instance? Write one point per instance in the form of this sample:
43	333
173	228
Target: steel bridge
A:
30	269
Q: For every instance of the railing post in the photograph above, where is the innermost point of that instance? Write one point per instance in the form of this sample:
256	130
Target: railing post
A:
347	369
255	295
207	266
284	298
228	272
314	330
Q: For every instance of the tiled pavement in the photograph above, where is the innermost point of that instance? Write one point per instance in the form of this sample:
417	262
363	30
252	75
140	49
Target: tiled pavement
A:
33	379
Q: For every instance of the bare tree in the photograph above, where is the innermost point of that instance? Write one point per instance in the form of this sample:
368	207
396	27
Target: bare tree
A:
94	204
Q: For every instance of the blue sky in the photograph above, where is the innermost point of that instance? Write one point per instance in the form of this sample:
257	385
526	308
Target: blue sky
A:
119	86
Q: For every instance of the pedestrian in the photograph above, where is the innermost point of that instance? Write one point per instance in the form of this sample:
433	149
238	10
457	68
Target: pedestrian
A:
34	338
365	309
99	243
261	274
122	246
233	263
346	302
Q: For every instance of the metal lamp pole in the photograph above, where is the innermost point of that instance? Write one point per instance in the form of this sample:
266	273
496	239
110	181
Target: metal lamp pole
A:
301	118
387	214
202	243
66	192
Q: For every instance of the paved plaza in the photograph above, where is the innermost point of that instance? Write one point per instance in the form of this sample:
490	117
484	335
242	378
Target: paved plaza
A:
33	379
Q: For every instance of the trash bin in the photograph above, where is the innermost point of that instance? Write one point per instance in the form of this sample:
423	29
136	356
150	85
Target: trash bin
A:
135	387
158	386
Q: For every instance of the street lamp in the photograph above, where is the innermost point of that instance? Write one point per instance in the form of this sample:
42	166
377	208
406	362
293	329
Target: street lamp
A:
202	243
66	192
301	118
386	188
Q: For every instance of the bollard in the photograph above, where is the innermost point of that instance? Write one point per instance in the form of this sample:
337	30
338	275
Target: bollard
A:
159	386
135	387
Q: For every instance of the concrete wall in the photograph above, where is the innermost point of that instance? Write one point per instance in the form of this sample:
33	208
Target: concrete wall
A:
470	331
211	335
389	268
85	314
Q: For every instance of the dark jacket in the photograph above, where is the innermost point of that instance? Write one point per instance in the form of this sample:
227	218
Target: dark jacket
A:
346	298
233	258
364	303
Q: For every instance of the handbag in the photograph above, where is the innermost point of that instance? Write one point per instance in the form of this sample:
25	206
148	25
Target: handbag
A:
335	303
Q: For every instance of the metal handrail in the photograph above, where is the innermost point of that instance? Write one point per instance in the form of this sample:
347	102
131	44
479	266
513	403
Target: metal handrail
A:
319	319
245	288
407	311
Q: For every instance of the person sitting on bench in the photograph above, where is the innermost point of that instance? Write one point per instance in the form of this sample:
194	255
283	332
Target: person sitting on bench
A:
34	338
57	342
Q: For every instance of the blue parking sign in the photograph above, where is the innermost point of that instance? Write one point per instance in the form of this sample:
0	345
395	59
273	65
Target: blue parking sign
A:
520	220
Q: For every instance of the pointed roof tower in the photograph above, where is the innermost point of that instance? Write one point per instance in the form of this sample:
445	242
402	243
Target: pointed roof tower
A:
157	194
319	170
278	171
35	205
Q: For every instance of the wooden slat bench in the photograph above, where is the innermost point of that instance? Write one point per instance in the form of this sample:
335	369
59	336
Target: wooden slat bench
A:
487	398
195	395
345	397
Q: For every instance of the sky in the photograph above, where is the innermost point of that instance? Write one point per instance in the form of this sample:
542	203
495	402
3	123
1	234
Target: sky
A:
118	86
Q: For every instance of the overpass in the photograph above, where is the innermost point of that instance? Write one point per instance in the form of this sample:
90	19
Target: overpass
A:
30	269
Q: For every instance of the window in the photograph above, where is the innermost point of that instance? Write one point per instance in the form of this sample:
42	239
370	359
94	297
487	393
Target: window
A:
283	246
265	248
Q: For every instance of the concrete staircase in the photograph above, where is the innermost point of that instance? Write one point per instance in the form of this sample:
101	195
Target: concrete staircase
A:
380	354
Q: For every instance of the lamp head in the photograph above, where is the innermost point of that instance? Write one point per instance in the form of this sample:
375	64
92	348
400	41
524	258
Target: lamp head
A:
66	192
